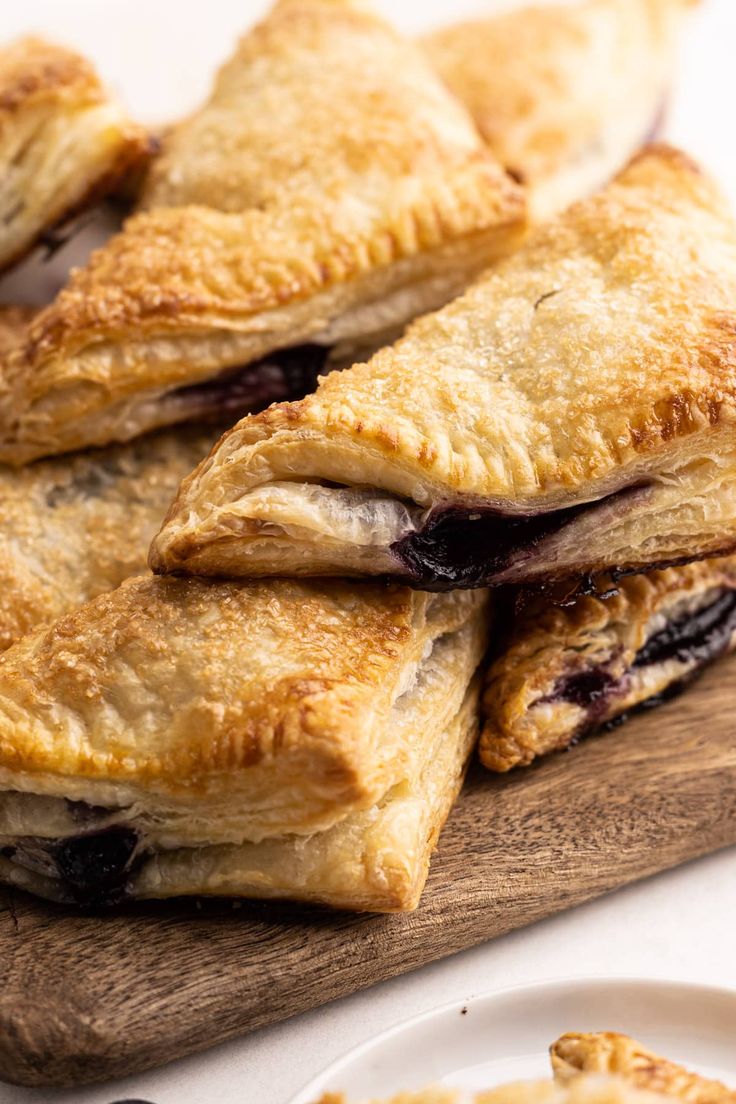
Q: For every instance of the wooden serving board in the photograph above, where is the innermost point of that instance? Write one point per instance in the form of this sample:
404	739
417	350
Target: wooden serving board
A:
89	997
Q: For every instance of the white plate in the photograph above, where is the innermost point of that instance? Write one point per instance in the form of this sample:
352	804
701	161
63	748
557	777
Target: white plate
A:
504	1036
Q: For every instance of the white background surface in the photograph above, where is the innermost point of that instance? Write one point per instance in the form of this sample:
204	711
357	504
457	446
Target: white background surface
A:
160	54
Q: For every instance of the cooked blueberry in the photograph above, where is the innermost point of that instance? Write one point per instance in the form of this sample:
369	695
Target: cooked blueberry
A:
697	636
95	867
280	377
586	688
467	547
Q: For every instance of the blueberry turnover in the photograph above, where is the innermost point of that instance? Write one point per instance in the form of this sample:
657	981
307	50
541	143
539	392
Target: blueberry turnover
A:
564	94
64	142
567	670
330	190
605	1052
277	739
573	412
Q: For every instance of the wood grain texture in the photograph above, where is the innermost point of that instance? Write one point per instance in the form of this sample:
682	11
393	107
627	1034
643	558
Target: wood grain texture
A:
88	997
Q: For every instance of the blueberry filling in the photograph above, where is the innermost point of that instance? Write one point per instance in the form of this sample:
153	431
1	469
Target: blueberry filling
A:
280	377
462	547
92	869
96	867
586	689
591	690
697	636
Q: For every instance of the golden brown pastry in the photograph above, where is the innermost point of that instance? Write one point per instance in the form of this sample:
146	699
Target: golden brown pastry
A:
277	739
63	141
573	412
14	321
566	671
581	1090
606	1052
75	527
564	94
329	191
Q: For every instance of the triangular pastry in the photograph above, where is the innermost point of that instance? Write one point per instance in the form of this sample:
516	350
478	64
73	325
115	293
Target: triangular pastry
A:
64	142
564	94
329	191
572	413
277	739
567	670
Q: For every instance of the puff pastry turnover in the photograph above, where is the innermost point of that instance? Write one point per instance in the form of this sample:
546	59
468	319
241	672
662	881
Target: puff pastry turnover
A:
571	413
609	1053
564	94
330	190
63	141
568	670
270	740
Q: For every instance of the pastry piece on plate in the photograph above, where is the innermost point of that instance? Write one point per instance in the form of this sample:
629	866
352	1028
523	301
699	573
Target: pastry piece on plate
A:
330	190
64	142
567	670
606	1052
581	1090
573	412
277	739
564	94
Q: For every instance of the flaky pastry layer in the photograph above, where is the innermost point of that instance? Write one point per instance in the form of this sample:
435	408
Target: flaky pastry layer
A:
63	141
179	738
373	861
567	670
330	190
77	527
572	412
563	94
218	713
